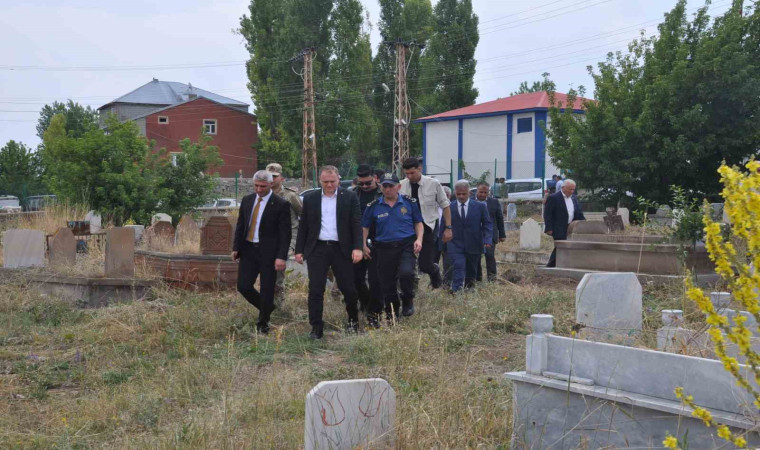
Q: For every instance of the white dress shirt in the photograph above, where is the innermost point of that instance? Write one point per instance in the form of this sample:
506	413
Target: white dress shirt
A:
264	201
432	197
466	208
328	230
570	208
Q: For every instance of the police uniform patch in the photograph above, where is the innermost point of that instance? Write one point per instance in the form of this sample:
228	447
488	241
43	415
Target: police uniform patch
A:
404	210
411	199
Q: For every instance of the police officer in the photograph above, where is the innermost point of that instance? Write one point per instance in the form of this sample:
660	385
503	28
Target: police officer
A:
291	195
398	238
370	298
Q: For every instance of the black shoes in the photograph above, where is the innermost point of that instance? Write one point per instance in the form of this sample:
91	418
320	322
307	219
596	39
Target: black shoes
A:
262	328
352	327
408	309
316	332
374	321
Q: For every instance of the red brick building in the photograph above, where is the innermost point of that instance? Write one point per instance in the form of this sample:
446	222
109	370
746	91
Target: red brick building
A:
168	112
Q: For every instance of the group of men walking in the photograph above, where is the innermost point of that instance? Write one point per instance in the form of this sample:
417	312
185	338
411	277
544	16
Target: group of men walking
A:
378	233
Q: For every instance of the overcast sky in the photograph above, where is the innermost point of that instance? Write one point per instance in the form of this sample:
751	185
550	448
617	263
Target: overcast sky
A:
94	51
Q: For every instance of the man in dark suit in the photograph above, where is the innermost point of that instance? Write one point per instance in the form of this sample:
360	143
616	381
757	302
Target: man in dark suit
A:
330	236
262	239
497	221
560	210
471	234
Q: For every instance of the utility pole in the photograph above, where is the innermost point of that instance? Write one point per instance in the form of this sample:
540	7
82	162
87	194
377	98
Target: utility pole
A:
402	112
309	154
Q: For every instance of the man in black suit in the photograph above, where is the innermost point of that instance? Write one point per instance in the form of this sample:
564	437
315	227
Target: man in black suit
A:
560	210
497	220
262	239
330	236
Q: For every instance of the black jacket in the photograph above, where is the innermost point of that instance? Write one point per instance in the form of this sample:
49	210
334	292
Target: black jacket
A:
497	217
348	222
555	215
274	230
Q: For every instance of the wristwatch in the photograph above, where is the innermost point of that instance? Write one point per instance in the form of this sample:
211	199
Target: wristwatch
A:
448	227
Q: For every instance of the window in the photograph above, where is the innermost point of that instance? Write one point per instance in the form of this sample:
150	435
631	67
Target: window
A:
163	119
174	156
221	203
209	126
525	125
523	186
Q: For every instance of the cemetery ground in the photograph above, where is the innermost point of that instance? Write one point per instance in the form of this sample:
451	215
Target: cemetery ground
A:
187	369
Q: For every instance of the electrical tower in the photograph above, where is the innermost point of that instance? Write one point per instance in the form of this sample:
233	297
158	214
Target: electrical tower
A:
309	154
402	112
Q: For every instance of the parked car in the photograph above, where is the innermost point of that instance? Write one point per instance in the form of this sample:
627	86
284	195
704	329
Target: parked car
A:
221	203
526	188
9	204
304	192
39	202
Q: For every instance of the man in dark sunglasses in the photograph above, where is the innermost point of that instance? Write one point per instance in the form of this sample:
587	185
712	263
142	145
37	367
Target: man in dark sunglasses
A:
370	298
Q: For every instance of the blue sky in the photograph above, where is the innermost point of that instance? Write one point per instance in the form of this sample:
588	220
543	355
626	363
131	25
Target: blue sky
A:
107	49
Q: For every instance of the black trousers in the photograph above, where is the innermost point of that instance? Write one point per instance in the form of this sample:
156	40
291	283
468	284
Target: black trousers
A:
370	297
490	264
427	256
326	256
553	257
250	267
395	266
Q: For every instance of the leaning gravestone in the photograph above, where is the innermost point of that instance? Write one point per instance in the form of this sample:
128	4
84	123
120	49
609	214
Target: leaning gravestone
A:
608	305
530	235
511	212
96	222
217	236
187	231
62	249
23	248
350	414
120	253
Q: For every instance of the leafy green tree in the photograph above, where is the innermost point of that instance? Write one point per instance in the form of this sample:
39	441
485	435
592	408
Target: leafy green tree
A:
544	85
448	65
20	171
79	119
669	111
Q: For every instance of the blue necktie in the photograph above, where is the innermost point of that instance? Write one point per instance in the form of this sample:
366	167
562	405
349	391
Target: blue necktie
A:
462	213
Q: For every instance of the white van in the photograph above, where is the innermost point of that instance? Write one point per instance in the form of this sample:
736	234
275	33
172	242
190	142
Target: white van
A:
525	188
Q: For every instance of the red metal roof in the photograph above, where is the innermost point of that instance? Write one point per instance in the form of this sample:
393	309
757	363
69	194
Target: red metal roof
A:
518	102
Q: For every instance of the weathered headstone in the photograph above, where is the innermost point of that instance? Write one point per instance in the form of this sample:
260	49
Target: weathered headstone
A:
217	236
62	250
23	248
511	211
530	235
187	231
350	414
614	222
120	252
587	227
160	217
160	233
625	214
96	222
609	307
139	231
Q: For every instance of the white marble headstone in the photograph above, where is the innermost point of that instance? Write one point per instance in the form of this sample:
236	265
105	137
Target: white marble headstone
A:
608	304
348	414
160	217
511	212
23	248
626	215
96	223
530	235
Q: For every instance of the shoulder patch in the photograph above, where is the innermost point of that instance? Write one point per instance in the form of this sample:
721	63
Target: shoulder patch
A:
411	199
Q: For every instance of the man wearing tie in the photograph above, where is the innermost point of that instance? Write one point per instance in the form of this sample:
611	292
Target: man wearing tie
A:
472	233
330	236
262	238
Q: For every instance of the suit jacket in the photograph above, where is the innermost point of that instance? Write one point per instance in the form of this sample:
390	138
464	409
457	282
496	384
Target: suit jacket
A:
348	222
497	219
470	235
555	215
274	229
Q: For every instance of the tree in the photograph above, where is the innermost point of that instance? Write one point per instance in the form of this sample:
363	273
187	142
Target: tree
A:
448	66
20	171
544	85
79	119
671	110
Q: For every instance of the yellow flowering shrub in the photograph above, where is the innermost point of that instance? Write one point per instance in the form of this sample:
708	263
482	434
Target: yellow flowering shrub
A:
741	193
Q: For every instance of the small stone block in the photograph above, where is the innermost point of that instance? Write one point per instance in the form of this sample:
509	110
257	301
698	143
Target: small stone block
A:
542	323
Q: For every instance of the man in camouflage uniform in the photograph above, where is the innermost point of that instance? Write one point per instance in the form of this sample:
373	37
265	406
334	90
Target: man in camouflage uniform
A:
291	195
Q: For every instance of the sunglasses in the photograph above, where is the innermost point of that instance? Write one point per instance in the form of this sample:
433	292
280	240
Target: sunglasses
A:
364	183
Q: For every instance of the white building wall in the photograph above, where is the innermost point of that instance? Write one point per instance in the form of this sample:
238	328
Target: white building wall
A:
551	169
523	148
484	140
441	146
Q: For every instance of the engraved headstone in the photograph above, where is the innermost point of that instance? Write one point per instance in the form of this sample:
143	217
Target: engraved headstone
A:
120	252
350	414
608	305
62	249
23	248
530	235
217	236
187	230
511	211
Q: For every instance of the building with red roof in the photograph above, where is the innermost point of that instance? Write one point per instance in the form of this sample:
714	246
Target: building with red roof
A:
505	133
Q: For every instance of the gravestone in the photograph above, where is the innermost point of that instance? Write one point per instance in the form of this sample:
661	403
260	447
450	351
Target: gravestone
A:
160	232
511	212
609	306
187	231
62	250
530	235
139	231
120	252
350	414
96	223
625	214
23	248
587	227
217	236
160	217
716	211
614	222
